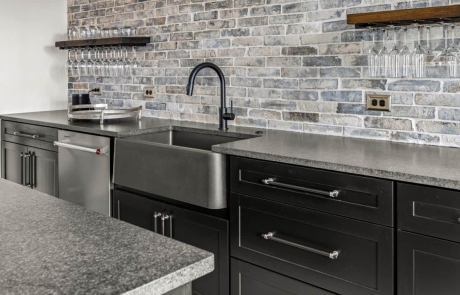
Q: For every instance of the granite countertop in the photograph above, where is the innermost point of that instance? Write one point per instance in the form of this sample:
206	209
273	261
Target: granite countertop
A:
50	246
421	164
116	128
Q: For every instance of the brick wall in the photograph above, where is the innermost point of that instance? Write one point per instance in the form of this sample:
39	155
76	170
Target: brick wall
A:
289	64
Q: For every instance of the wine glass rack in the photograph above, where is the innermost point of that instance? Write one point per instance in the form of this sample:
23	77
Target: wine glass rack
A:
115	41
405	17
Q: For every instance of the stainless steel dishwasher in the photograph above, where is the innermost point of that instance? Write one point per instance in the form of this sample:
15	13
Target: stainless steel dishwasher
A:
84	170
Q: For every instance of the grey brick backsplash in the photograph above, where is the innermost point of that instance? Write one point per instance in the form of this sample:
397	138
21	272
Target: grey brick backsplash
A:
292	65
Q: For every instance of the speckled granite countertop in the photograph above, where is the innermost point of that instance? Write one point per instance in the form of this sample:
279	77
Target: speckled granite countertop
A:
119	128
430	165
50	246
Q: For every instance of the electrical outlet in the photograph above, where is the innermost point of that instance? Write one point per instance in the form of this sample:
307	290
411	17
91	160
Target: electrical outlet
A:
97	90
149	92
377	102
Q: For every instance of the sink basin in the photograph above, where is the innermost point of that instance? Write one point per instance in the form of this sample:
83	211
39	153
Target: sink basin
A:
174	164
186	139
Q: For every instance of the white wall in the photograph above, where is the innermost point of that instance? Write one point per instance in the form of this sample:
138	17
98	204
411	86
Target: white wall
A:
32	70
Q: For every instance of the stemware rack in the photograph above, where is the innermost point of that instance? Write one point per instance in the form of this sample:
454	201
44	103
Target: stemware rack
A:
115	41
405	17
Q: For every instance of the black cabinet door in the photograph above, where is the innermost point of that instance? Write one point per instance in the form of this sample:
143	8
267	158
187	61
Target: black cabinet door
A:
248	279
137	210
44	171
339	254
427	266
207	233
13	162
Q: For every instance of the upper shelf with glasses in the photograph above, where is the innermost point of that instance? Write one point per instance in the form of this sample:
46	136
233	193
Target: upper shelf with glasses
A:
405	17
113	41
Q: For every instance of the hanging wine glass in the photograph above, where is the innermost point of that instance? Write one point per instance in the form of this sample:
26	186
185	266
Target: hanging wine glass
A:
405	56
419	57
446	58
69	64
383	56
120	64
372	56
429	52
453	46
127	63
136	64
393	58
96	63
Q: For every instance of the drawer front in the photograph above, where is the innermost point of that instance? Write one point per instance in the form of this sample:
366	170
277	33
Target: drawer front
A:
339	254
248	279
427	266
352	196
431	211
31	135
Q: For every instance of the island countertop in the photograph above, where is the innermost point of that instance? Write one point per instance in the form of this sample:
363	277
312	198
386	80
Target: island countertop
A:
50	246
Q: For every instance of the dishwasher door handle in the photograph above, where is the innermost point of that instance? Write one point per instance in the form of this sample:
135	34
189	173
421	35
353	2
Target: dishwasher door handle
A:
81	148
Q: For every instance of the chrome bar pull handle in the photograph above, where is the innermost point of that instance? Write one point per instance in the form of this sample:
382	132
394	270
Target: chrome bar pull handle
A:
34	171
34	136
119	218
271	181
81	148
171	226
26	156
31	169
22	168
271	236
163	218
155	225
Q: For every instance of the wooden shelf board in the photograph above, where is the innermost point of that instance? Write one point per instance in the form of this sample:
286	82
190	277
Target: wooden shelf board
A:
117	41
450	13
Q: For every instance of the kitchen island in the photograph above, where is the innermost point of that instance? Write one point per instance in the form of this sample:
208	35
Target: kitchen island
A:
50	246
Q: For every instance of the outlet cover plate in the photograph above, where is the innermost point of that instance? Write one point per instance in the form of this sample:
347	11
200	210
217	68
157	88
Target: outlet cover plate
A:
378	102
98	89
149	92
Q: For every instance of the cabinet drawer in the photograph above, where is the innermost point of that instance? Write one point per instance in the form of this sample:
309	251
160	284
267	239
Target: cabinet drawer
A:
352	196
431	211
248	279
31	135
427	266
339	254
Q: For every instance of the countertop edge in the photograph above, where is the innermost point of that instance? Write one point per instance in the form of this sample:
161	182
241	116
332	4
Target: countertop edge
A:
383	174
176	279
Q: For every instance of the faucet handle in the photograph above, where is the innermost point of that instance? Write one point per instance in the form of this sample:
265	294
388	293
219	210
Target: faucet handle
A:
229	116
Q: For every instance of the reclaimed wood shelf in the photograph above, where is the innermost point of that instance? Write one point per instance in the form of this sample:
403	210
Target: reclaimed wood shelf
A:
450	13
117	41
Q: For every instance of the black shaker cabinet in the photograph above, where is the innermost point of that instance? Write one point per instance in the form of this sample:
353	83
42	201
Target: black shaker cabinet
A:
13	167
203	231
248	279
29	157
427	266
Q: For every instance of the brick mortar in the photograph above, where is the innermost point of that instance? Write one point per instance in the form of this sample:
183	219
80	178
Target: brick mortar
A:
289	65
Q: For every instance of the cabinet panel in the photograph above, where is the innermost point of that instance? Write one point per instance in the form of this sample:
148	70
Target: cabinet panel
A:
136	210
427	266
13	162
207	233
303	241
44	171
428	210
248	279
354	196
202	231
30	135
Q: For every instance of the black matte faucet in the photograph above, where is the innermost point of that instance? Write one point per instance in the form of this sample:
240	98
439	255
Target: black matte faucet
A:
223	115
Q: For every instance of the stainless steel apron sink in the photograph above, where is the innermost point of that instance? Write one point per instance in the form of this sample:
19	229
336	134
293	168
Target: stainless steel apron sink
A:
174	164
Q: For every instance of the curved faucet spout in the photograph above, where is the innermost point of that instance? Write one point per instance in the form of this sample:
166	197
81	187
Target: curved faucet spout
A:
223	115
